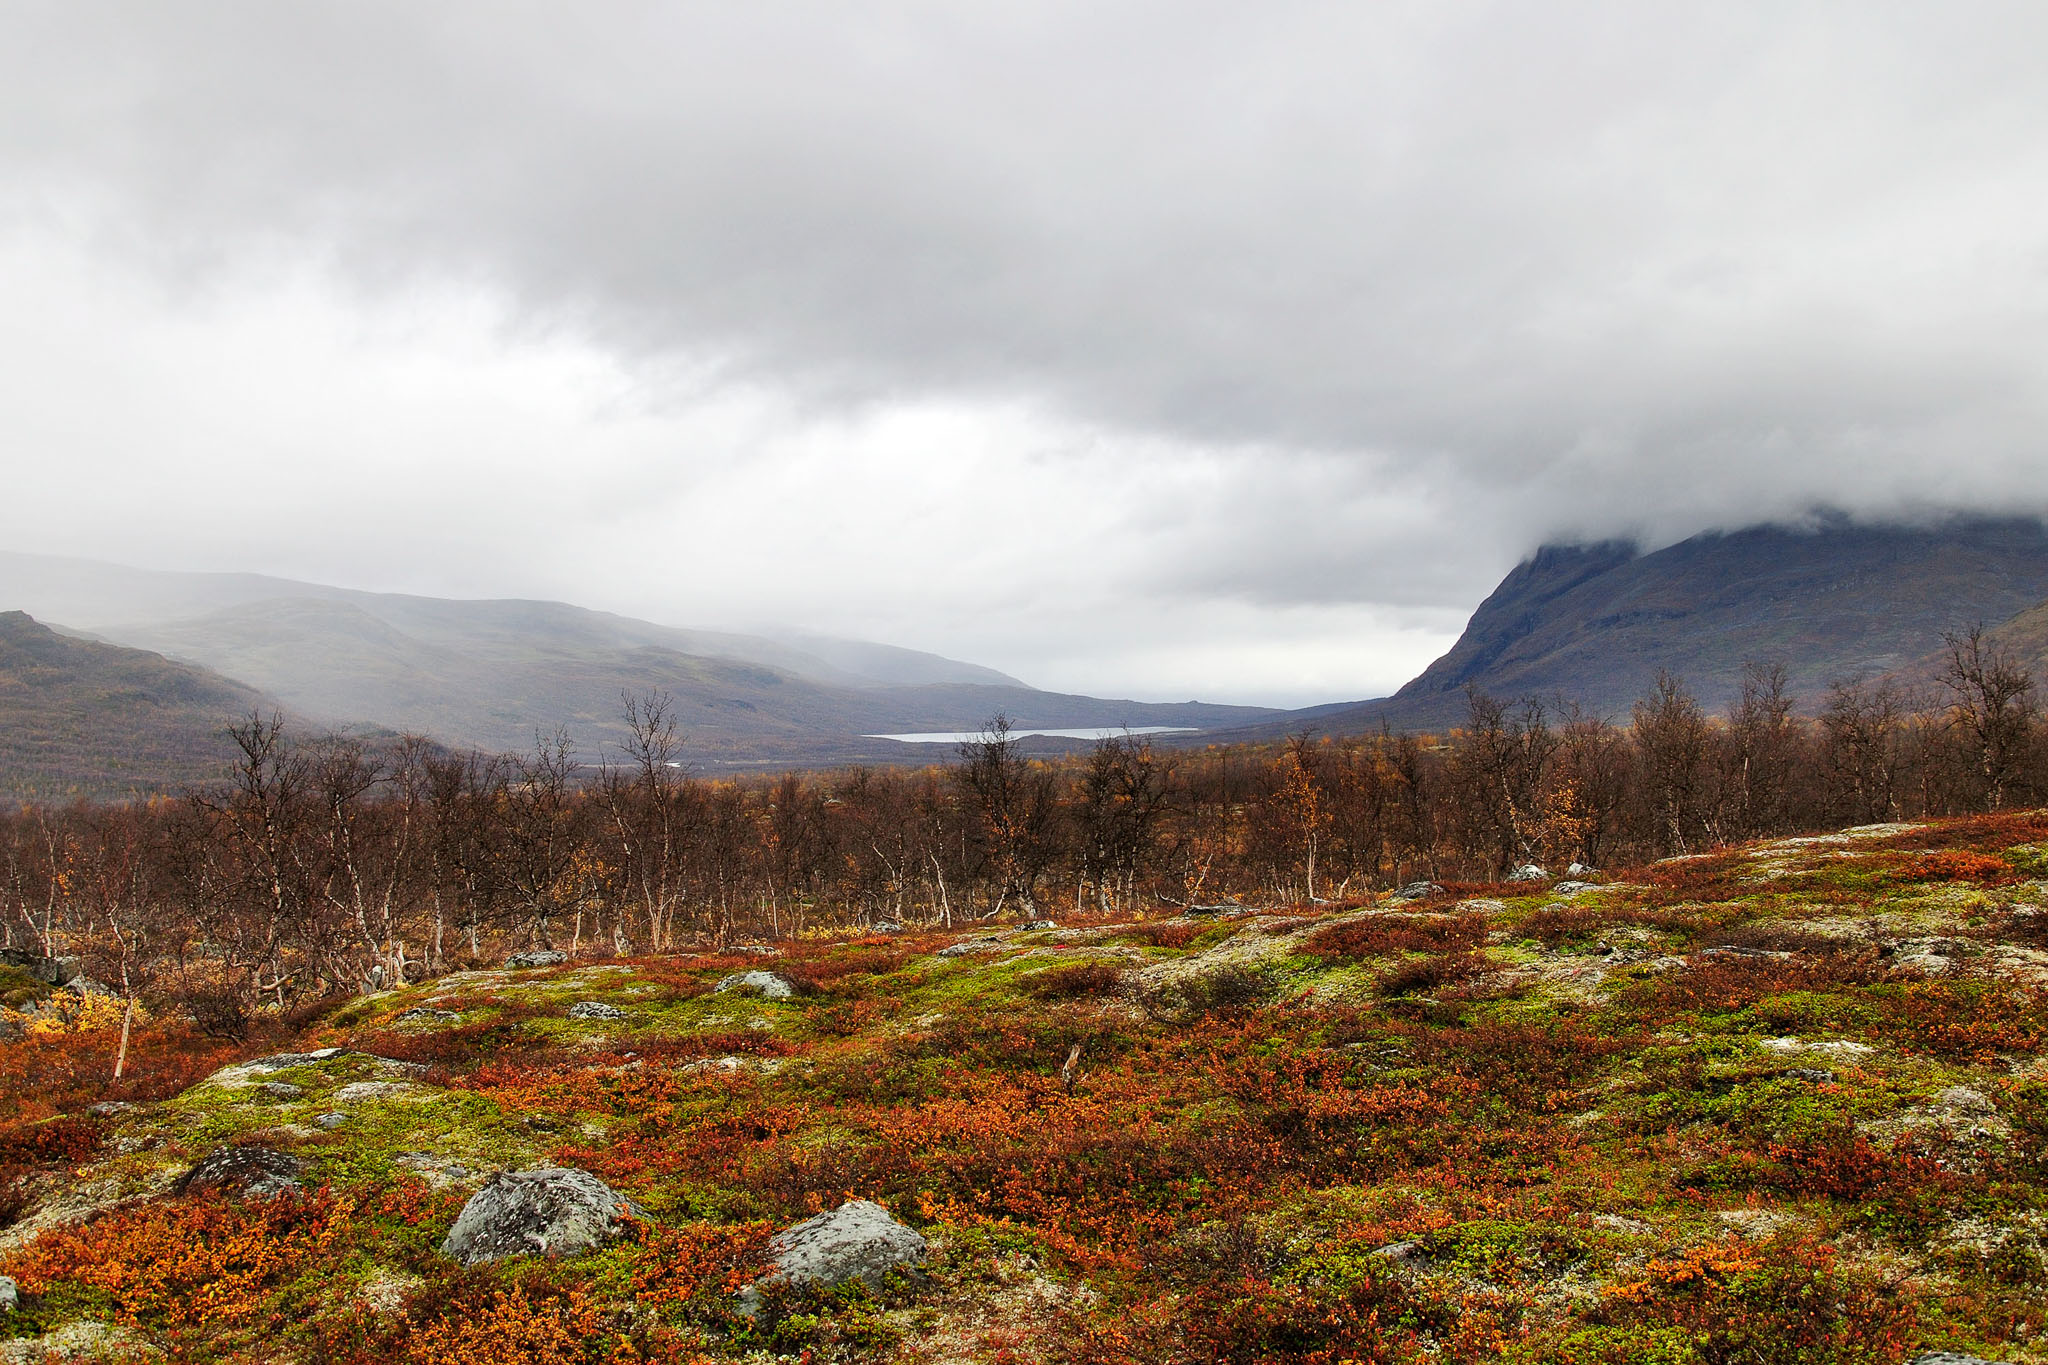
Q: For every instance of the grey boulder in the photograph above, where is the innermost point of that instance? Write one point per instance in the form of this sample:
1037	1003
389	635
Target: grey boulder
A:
1951	1358
767	985
859	1240
1418	891
251	1171
554	1211
595	1009
539	957
1528	872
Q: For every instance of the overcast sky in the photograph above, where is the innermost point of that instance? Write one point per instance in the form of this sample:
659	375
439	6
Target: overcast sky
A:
1163	349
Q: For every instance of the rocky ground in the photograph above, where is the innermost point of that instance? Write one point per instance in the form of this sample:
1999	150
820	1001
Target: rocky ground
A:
1781	1103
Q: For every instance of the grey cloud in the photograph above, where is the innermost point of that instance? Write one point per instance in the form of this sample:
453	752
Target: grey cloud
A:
1566	269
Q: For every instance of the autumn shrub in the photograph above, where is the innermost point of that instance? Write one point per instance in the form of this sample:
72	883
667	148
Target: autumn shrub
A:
1785	1301
189	1262
476	1318
1989	832
1384	934
45	1074
1959	1018
1732	980
1165	933
1425	974
1079	980
1227	989
1532	1063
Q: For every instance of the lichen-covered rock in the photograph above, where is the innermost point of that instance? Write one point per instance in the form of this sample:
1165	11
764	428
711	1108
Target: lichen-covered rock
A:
859	1240
1571	888
10	1294
971	946
1528	872
358	1092
1418	891
283	1092
1951	1358
425	1014
539	957
1031	924
597	1009
555	1211
251	1171
767	985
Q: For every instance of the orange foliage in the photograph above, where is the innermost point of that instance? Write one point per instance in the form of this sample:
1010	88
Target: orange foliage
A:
508	1324
191	1261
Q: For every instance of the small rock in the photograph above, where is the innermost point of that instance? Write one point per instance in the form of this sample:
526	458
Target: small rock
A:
283	1092
1407	1255
555	1211
282	1061
767	985
968	947
1951	1358
10	1294
1581	870
1571	888
111	1109
422	1014
329	1121
597	1009
539	957
1962	1099
1819	1075
885	926
1418	891
252	1171
858	1240
1030	924
356	1092
1528	872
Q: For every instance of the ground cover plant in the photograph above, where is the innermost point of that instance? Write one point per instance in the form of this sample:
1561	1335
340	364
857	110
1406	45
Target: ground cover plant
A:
1785	1102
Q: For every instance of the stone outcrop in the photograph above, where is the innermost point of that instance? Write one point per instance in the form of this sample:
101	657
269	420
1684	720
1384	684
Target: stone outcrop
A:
250	1171
554	1211
767	985
859	1240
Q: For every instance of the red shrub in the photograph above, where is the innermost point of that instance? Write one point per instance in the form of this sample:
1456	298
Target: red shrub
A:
1393	932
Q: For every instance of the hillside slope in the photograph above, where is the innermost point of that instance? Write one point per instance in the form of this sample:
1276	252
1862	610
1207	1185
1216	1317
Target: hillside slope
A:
80	718
1594	624
491	673
155	609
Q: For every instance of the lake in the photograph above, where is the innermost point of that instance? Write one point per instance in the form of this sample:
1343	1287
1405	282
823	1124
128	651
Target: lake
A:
1096	732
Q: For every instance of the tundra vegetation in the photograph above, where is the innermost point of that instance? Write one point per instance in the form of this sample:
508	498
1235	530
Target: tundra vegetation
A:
1312	1067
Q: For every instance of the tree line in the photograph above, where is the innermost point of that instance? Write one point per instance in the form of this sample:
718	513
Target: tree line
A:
327	865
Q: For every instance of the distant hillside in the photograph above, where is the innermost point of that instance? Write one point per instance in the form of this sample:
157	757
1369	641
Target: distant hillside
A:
1595	623
165	610
490	673
78	718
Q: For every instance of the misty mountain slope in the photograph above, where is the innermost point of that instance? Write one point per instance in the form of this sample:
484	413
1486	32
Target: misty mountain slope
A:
490	674
82	718
184	611
1594	624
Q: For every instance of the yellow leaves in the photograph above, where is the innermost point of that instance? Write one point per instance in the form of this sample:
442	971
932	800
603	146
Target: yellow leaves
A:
1711	1263
64	1014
